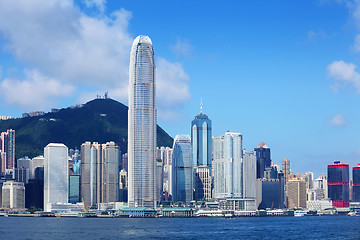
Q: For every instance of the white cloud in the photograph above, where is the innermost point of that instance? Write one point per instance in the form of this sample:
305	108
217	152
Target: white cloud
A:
338	120
354	10
56	39
344	74
171	84
182	48
60	41
100	4
314	36
357	43
35	91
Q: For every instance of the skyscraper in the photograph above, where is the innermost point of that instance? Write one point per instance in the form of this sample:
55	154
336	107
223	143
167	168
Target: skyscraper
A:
164	155
338	184
90	162
56	180
263	159
7	147
201	134
296	193
13	195
309	179
228	166
356	184
249	174
110	172
34	190
99	173
142	124
182	169
286	169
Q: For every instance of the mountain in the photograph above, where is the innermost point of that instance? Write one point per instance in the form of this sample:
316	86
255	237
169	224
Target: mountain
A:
100	120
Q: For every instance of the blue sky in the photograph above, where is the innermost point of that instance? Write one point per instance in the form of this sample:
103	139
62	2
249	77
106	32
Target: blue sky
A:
282	72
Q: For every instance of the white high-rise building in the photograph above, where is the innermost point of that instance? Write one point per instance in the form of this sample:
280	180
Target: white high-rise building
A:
56	181
249	174
227	152
142	124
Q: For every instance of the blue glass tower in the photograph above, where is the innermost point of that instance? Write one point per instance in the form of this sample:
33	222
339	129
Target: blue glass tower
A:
182	169
201	141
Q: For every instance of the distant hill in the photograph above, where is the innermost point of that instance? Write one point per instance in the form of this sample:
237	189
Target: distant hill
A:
100	120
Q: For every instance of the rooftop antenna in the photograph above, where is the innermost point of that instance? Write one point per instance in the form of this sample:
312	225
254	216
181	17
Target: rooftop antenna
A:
201	105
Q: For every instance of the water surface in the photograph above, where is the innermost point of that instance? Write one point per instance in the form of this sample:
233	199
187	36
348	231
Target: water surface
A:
317	227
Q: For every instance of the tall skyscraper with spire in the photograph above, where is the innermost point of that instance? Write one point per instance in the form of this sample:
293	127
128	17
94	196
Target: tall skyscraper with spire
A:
201	140
142	125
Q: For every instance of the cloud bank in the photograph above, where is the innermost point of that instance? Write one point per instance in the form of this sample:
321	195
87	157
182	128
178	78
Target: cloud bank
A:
57	41
344	74
35	89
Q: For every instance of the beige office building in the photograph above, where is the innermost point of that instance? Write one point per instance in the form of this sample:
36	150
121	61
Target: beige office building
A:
13	195
296	193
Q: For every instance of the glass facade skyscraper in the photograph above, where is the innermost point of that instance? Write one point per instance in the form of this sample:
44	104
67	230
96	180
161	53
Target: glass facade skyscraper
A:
201	140
56	172
338	184
182	169
249	174
142	125
228	166
356	184
201	135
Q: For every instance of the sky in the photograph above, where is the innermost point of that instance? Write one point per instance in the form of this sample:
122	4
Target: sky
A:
283	72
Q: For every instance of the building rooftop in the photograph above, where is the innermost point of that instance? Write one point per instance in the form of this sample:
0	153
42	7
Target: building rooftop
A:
262	145
176	209
56	145
201	116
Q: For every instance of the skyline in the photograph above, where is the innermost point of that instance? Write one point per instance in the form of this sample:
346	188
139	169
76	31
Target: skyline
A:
298	104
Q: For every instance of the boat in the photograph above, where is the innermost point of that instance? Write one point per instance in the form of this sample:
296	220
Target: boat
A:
299	213
353	214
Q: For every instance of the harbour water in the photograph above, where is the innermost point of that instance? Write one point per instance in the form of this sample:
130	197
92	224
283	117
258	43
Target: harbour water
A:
317	227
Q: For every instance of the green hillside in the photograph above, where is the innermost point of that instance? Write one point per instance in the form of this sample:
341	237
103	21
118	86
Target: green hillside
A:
100	120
